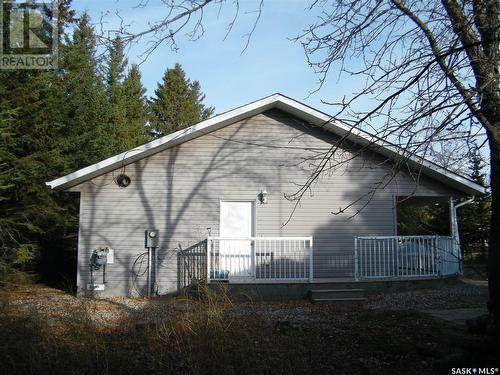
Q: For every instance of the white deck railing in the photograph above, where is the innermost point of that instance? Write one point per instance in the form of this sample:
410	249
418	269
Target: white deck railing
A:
405	257
260	258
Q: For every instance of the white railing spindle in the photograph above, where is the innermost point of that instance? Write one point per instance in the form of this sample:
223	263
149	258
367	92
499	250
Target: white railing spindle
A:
400	257
260	258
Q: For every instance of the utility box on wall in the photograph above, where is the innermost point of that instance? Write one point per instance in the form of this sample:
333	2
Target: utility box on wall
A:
151	238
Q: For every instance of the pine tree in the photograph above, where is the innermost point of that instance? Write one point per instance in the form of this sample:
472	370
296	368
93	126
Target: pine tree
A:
114	76
126	96
8	224
136	110
31	151
87	105
52	123
178	103
116	65
474	219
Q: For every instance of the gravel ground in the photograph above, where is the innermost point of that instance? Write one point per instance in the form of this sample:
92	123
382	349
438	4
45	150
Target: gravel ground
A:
458	295
59	305
304	314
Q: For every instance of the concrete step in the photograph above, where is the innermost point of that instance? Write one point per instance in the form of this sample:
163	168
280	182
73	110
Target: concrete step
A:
334	300
337	294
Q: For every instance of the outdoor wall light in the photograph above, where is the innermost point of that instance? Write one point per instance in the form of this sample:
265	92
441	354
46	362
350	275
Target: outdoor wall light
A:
263	197
123	180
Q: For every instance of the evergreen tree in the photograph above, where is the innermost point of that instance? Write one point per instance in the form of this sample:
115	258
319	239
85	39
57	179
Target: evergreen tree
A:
8	224
474	219
127	102
427	219
114	75
178	103
116	65
87	106
49	126
31	122
136	110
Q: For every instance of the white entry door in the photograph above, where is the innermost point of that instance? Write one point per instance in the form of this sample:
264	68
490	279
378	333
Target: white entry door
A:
236	222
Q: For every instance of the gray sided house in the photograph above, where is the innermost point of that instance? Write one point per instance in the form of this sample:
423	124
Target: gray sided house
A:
217	195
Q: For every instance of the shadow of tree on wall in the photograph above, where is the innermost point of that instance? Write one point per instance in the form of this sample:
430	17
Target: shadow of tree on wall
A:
178	197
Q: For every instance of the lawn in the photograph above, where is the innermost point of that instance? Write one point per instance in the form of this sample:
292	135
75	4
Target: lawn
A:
47	331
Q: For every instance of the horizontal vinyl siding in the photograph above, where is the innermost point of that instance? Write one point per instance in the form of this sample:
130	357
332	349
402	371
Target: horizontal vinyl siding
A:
178	191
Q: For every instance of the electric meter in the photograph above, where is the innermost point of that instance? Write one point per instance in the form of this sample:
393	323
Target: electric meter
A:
151	238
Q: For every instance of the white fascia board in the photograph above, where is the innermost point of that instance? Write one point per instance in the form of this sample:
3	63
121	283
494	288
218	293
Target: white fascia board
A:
162	143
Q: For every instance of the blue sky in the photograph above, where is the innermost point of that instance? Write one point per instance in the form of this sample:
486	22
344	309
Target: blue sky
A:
271	63
229	78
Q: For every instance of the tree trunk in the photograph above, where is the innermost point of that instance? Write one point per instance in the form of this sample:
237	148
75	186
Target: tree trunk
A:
494	245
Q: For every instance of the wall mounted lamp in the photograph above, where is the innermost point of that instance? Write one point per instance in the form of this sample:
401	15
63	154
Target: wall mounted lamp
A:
263	197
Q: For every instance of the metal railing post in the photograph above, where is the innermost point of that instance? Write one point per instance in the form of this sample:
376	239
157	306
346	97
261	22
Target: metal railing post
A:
253	265
396	254
209	249
311	267
149	270
356	266
439	257
435	253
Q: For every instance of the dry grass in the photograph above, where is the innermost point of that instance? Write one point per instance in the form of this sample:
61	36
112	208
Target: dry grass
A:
44	331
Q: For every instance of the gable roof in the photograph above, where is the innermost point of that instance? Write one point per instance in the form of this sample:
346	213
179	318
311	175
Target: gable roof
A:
287	105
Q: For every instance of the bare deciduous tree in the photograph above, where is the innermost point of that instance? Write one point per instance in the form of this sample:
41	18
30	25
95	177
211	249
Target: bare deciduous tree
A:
431	69
180	17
